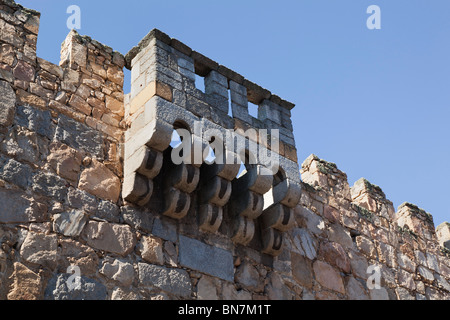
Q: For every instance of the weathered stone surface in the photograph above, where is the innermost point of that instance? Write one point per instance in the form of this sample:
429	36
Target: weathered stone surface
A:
230	293
337	233
137	219
205	258
118	270
27	285
302	270
16	173
57	289
100	181
82	200
7	104
21	144
248	277
164	229
304	243
355	290
334	254
74	253
151	249
173	281
358	264
36	120
276	288
113	238
108	211
24	71
366	246
79	136
65	161
309	220
425	273
15	207
70	224
50	185
124	295
379	294
403	294
40	249
328	277
206	289
406	280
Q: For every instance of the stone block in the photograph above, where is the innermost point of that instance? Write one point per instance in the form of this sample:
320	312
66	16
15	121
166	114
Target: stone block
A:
112	238
151	250
16	173
118	270
15	207
328	277
7	104
211	260
98	180
27	285
50	185
70	224
35	120
40	249
173	281
57	289
79	136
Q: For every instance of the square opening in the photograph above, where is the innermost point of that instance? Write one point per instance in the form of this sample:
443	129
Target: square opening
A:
200	83
253	110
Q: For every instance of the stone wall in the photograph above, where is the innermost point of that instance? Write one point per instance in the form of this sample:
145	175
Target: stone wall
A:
86	181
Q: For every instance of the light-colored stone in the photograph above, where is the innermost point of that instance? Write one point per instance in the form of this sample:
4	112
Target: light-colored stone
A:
118	270
328	277
355	289
27	285
338	234
100	181
109	237
206	289
40	249
71	223
74	253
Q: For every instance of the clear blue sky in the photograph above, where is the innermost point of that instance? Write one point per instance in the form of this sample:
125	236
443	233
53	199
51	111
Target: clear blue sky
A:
376	102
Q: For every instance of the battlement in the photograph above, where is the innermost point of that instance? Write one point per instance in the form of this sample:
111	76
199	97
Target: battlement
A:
93	178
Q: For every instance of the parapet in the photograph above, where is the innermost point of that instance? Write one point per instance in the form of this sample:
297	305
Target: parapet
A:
164	98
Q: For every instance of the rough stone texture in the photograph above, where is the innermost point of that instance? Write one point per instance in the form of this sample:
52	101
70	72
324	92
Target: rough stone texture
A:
172	281
113	238
90	289
27	284
7	104
207	289
100	181
204	258
40	249
15	207
328	277
70	224
118	270
151	249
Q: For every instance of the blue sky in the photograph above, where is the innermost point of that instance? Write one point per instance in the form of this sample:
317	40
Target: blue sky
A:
376	102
